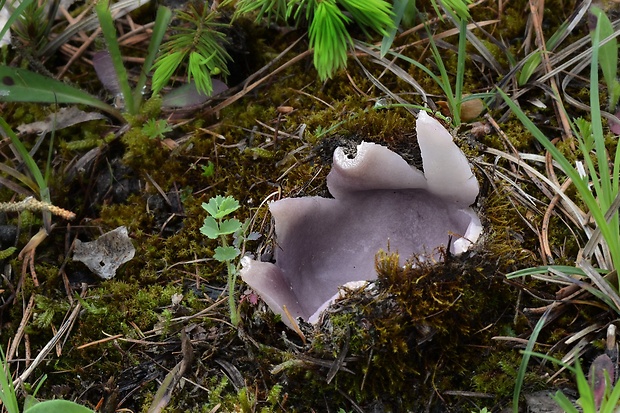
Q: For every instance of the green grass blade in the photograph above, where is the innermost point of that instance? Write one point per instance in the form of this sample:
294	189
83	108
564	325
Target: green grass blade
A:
27	159
529	67
109	33
526	358
609	234
607	53
162	20
586	394
615	182
399	8
20	85
563	401
460	72
567	269
606	195
25	180
445	79
14	16
532	63
7	391
610	404
420	66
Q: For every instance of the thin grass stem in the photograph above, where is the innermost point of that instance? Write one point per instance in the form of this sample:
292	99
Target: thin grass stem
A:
460	71
109	33
526	358
29	161
162	20
610	235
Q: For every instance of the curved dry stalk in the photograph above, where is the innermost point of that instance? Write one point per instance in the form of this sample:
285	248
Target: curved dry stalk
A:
91	22
386	90
573	212
398	71
576	212
536	10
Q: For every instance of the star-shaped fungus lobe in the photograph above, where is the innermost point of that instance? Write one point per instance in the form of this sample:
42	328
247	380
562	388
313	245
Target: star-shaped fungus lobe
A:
379	201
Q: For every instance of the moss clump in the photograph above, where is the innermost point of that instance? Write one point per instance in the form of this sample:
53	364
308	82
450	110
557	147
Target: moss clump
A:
421	327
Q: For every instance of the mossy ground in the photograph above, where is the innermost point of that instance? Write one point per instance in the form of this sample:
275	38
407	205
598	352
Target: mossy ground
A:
415	342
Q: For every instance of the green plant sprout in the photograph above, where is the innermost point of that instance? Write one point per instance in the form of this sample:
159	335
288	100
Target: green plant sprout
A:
155	129
198	41
329	36
14	15
8	397
35	24
208	170
216	226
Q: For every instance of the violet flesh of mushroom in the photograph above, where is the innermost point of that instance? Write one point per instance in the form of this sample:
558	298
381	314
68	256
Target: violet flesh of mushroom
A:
379	201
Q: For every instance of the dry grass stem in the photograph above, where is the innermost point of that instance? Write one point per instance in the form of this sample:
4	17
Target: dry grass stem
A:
32	204
65	328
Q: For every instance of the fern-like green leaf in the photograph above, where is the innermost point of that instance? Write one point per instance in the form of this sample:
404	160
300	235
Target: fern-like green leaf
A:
457	7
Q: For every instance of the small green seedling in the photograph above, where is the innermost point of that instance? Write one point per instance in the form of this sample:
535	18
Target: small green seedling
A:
216	226
208	170
198	42
155	129
328	21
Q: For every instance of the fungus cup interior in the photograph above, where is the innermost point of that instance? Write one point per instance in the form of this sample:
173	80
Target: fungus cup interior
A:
380	202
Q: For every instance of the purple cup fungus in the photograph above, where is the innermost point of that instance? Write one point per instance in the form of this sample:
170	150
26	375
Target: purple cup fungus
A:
379	201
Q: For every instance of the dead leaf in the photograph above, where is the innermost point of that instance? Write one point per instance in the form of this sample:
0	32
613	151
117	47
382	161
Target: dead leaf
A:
64	118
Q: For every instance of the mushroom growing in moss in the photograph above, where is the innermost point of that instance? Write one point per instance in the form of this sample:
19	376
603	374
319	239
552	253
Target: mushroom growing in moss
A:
380	202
